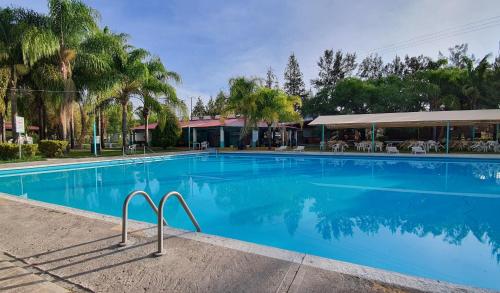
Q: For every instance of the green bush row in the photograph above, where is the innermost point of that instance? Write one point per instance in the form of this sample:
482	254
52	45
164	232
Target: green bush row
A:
10	151
53	148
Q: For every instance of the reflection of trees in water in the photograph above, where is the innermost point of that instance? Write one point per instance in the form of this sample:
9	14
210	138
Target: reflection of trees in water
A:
421	215
341	214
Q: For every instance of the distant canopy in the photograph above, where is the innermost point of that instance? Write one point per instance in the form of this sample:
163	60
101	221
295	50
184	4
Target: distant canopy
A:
410	119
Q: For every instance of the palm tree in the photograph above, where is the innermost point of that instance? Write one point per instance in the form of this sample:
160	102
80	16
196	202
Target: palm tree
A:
94	74
71	22
24	40
156	87
4	83
242	101
274	106
135	76
43	76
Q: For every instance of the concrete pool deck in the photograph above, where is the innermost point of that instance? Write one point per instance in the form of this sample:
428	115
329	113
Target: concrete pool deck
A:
78	250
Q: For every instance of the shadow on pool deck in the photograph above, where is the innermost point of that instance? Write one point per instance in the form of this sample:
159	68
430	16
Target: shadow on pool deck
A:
81	254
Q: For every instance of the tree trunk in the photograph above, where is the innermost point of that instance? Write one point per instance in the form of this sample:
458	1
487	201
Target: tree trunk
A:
124	124
146	132
102	127
39	100
83	119
13	102
45	120
2	127
269	138
72	125
66	105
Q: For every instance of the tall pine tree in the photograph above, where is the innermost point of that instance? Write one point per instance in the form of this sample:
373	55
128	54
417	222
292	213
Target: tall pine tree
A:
294	83
271	79
199	109
333	67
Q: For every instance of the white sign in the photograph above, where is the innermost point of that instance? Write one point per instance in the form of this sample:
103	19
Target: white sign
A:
19	124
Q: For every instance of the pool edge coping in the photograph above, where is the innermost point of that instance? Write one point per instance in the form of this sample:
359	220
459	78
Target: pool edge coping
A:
347	268
370	154
117	159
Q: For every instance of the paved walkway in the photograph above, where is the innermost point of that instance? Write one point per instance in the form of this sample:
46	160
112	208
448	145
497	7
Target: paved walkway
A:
82	253
15	278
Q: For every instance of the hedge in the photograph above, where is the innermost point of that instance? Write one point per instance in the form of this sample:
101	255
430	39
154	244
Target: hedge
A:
29	150
53	148
10	151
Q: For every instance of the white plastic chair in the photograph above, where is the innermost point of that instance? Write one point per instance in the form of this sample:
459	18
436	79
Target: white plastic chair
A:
392	150
418	150
299	148
281	148
132	148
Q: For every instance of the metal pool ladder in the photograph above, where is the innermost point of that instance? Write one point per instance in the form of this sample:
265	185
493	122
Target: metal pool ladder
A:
125	212
159	212
160	251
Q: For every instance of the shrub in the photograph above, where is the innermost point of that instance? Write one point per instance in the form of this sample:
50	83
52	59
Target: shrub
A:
10	151
29	150
169	135
53	148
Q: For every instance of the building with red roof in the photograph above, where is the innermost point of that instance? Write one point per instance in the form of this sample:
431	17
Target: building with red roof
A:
218	133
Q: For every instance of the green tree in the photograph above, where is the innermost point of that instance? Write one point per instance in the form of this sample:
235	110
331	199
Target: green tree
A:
168	135
71	22
273	106
458	56
94	75
332	68
271	79
294	83
211	109
396	67
371	67
134	75
220	103
242	101
199	109
474	87
24	40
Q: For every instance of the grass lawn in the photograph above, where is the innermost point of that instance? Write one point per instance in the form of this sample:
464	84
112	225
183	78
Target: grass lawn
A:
85	153
32	159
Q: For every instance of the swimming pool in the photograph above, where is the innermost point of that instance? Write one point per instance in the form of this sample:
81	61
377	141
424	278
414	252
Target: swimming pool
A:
430	217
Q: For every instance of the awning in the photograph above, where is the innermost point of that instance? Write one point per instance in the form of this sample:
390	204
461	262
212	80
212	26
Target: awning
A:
410	119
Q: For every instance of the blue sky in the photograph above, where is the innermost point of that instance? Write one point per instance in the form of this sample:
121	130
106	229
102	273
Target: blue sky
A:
208	42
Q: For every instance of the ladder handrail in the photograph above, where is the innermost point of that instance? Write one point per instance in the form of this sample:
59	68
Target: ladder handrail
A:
160	216
125	212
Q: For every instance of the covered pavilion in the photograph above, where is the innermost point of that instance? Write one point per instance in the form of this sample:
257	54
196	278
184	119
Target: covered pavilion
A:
410	119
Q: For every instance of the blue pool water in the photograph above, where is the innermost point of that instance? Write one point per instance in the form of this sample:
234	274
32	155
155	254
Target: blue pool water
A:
435	218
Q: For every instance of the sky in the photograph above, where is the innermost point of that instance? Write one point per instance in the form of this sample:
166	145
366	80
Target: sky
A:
208	42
